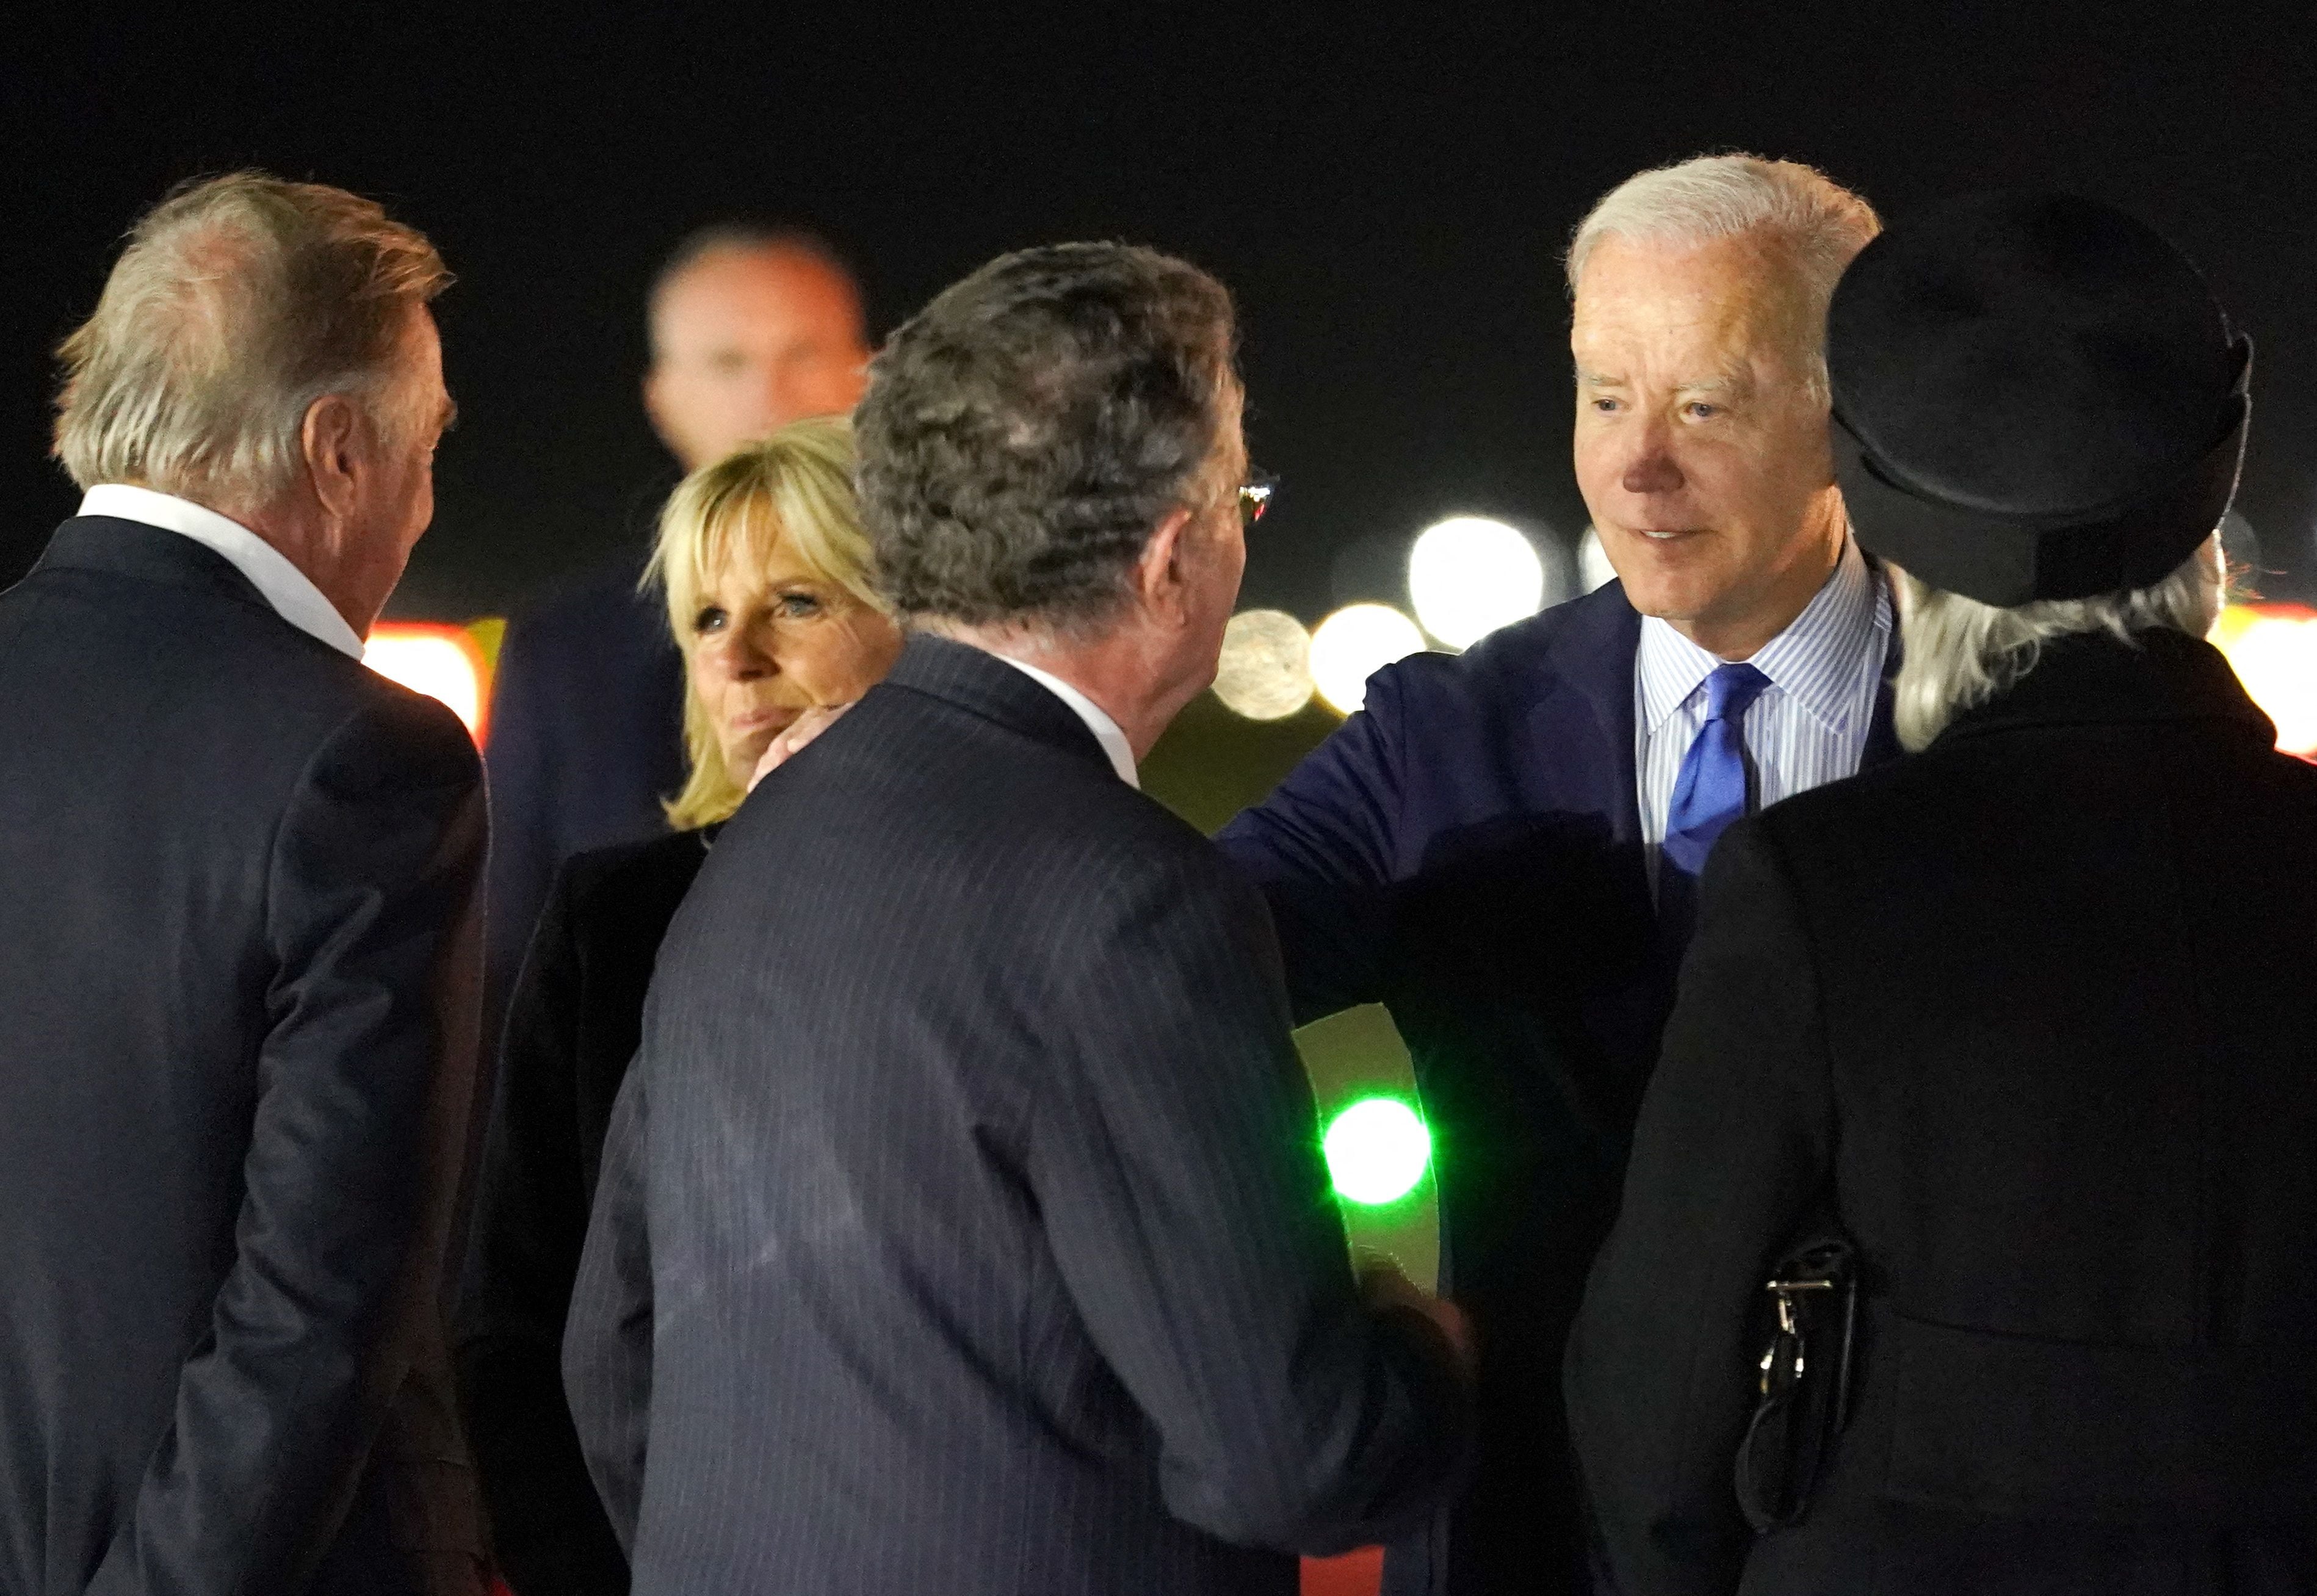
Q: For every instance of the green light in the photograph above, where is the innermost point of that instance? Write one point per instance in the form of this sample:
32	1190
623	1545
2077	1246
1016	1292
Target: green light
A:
1377	1150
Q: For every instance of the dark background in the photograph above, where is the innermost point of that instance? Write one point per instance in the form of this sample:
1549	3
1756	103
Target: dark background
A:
1388	201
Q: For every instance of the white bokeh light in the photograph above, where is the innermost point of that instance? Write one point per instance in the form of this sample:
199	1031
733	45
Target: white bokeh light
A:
1265	670
1354	644
1593	567
1469	575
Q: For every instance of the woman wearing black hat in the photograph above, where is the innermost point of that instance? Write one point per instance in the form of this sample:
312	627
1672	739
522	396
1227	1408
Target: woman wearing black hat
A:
1997	1059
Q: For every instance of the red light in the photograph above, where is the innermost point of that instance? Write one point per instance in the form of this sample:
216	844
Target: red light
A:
442	661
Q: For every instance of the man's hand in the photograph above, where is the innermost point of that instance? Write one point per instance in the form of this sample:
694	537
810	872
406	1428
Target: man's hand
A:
1383	1286
803	729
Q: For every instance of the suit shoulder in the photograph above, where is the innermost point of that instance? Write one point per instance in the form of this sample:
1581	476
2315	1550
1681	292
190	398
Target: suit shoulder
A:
1513	665
256	668
399	737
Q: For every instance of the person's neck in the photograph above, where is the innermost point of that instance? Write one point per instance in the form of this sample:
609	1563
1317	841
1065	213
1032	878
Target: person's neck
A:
1118	670
302	535
1731	639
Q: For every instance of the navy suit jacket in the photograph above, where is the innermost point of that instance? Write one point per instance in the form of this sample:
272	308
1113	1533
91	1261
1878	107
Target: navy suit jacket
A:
587	737
1467	851
237	960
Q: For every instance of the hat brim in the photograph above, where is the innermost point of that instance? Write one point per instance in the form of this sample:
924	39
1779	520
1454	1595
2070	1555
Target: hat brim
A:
2013	560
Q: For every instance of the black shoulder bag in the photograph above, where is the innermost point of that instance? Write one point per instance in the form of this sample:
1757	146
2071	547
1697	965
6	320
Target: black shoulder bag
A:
1806	1384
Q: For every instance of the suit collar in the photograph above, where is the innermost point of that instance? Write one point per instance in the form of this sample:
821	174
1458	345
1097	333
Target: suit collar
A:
112	547
1097	720
286	591
1816	660
2094	680
982	684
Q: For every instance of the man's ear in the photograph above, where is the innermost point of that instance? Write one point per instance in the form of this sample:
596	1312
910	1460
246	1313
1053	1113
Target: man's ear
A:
332	442
1162	577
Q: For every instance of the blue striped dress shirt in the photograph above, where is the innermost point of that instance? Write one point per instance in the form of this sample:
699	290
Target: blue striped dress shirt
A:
1807	728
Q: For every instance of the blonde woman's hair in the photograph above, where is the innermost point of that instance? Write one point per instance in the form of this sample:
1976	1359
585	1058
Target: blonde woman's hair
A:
236	303
1819	224
796	485
1959	653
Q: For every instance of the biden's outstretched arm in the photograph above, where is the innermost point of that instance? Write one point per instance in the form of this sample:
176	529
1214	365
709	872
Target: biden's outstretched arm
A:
1320	850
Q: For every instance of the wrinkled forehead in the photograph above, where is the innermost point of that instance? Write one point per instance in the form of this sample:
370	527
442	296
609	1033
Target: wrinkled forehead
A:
1725	305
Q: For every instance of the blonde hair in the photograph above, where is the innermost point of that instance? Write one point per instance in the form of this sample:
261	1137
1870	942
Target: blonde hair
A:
1960	652
1821	224
237	304
796	486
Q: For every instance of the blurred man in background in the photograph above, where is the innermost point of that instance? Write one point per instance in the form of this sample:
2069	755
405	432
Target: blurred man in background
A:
1502	847
238	943
751	328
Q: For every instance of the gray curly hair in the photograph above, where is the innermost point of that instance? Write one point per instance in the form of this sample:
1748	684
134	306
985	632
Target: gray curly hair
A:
1024	433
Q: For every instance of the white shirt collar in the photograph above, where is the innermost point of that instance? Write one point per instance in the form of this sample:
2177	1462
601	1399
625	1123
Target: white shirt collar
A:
1104	729
1834	629
282	586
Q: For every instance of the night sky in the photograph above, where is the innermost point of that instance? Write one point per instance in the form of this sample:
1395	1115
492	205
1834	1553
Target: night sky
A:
1387	202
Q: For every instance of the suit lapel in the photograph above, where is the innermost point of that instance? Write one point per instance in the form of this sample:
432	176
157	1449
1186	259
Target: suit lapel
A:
1882	732
1582	726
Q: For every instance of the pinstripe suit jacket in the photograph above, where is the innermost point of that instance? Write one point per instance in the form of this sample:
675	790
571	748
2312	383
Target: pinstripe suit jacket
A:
962	1224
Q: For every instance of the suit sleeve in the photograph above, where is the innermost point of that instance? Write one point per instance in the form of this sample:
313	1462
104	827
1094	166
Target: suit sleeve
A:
548	1526
607	1347
1321	849
1176	1164
1733	1148
358	1145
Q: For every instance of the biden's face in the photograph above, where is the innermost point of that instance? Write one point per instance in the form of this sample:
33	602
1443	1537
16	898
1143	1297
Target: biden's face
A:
1701	442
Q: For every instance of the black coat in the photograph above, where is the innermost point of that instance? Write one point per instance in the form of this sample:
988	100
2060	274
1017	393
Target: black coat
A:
572	1027
239	942
963	1224
2032	1009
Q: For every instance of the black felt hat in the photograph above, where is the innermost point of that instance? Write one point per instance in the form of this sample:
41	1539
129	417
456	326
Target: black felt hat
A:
2035	397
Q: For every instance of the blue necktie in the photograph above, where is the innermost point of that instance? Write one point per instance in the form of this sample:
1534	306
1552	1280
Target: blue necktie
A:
1710	793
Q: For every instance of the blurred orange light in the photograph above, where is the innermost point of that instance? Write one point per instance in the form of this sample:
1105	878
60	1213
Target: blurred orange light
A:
2274	650
442	661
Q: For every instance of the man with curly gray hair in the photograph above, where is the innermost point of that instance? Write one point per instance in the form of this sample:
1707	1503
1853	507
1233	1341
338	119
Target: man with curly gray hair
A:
963	1218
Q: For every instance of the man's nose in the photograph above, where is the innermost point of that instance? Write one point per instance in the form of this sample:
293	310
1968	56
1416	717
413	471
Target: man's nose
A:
1650	467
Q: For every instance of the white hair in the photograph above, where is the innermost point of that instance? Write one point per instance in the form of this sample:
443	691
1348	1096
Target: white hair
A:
238	303
1960	652
1819	224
